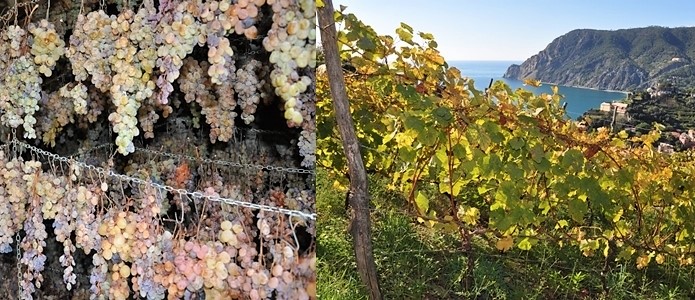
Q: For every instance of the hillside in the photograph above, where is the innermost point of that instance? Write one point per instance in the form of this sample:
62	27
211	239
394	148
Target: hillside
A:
625	59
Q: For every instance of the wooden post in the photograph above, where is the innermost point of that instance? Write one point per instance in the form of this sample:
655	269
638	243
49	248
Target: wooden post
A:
360	223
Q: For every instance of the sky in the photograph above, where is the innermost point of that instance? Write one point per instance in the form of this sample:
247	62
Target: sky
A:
513	30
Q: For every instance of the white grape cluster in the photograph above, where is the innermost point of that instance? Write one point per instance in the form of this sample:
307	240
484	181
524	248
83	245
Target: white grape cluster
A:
47	46
177	34
55	115
20	83
293	275
12	193
247	87
307	148
98	278
78	95
291	41
92	43
131	86
64	225
219	114
35	236
226	16
97	104
20	92
220	57
13	40
87	221
193	83
142	35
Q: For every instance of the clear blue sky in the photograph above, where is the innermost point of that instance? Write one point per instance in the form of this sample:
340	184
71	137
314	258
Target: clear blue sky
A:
509	29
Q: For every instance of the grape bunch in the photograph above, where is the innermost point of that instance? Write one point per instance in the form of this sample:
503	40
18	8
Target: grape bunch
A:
291	41
78	95
247	87
47	46
20	93
92	43
34	240
177	33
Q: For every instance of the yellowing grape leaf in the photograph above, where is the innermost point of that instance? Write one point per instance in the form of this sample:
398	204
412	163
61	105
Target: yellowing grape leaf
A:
683	234
427	223
319	3
561	224
469	215
504	243
622	134
617	216
643	261
525	244
660	258
532	82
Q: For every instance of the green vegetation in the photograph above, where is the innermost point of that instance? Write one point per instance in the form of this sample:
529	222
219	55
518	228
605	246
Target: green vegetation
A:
495	194
674	108
416	262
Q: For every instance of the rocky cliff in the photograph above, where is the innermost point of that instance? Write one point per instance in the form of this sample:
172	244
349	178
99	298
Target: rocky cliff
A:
623	59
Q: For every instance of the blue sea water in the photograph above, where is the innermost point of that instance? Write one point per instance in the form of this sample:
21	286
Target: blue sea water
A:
579	100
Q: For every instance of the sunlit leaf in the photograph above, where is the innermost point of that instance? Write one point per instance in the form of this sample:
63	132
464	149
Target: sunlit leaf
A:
504	243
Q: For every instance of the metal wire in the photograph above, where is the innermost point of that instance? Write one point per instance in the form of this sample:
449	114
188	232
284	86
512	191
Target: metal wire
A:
269	168
199	195
227	163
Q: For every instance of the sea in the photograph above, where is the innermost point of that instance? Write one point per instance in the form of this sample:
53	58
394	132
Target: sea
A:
579	100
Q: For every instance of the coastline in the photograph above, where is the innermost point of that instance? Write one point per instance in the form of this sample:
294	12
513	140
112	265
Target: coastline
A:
587	88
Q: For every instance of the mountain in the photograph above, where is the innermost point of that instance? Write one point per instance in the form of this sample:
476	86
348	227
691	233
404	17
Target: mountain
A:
625	59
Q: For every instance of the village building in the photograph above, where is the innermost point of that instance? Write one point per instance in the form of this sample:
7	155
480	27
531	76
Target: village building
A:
619	107
665	148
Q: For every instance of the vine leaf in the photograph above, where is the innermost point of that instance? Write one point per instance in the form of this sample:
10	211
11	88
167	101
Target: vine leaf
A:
423	203
504	243
525	244
577	209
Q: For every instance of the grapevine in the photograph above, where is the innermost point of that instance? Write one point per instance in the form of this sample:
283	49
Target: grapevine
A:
504	165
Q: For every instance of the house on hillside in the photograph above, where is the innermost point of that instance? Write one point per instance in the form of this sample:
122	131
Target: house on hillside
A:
662	90
687	138
619	107
665	148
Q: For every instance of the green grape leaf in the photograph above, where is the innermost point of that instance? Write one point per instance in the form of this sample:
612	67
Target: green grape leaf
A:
423	203
427	137
415	124
405	35
537	153
577	209
499	220
366	43
457	187
573	158
426	36
460	151
407	27
442	115
468	215
516	143
561	224
407	154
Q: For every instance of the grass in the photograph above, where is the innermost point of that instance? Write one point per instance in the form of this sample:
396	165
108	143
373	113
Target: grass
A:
418	263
